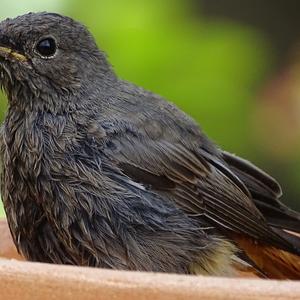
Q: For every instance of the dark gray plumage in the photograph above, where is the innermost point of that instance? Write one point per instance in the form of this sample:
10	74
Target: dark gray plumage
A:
99	172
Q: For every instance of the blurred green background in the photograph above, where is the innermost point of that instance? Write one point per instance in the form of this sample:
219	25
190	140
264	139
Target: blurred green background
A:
234	68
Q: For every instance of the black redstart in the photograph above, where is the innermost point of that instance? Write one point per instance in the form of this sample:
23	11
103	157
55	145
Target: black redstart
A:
99	172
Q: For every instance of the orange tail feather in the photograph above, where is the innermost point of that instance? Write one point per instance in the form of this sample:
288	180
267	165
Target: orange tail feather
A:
273	262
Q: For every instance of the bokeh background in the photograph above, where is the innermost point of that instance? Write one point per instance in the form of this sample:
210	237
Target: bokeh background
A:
233	65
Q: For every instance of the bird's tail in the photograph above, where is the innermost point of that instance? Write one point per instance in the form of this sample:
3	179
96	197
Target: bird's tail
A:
272	262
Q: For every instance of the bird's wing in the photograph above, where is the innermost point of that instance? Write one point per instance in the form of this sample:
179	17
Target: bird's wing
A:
265	192
199	182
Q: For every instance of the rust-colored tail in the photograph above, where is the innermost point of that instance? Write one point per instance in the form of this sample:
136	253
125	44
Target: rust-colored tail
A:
273	262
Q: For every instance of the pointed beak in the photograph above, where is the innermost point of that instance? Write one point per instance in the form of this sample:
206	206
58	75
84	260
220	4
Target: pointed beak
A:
8	53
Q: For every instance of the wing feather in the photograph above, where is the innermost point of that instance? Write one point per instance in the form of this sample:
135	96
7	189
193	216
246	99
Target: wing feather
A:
200	183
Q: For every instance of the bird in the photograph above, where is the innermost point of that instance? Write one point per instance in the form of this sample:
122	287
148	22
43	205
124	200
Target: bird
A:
96	171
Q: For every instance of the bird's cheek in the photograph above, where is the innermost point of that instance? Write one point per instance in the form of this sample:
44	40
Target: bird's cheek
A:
21	71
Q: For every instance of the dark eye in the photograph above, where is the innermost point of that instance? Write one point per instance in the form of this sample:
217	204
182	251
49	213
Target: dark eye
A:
46	47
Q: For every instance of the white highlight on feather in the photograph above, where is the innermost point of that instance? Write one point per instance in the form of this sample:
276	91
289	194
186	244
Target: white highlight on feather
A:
138	185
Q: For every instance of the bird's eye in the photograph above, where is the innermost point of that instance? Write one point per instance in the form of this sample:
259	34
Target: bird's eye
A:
46	47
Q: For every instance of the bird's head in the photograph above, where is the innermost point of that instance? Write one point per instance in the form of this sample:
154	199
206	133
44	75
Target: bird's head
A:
45	55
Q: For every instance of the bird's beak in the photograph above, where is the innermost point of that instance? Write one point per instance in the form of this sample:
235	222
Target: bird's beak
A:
8	53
